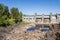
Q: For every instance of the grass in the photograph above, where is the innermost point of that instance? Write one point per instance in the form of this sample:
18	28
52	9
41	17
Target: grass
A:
24	22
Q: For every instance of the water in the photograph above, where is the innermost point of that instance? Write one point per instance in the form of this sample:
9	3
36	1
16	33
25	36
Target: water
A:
45	30
31	29
38	27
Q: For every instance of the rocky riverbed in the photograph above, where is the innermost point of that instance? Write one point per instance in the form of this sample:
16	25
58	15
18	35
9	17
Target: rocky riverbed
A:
20	33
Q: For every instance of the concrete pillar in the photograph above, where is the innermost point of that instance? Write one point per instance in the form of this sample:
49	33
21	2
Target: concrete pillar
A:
35	16
42	18
57	17
50	17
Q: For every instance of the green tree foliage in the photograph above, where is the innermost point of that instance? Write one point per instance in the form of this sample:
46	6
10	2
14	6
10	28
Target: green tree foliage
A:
4	15
20	16
15	13
1	12
6	11
7	18
1	9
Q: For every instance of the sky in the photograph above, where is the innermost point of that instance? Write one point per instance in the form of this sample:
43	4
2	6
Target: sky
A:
30	7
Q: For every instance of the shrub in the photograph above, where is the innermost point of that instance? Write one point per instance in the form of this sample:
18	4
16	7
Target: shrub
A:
24	22
10	21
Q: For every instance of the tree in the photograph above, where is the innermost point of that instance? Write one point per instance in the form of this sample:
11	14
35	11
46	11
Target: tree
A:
6	11
15	13
20	16
7	18
4	15
1	12
1	9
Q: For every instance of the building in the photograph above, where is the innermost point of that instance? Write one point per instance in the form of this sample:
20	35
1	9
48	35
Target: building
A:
41	18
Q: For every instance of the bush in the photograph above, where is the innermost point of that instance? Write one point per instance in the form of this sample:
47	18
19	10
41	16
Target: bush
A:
10	21
24	22
6	22
3	20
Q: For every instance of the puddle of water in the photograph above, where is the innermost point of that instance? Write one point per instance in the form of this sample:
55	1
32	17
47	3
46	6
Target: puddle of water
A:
45	30
31	29
37	28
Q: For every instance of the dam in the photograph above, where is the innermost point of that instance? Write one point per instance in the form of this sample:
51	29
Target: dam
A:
42	22
51	18
45	27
